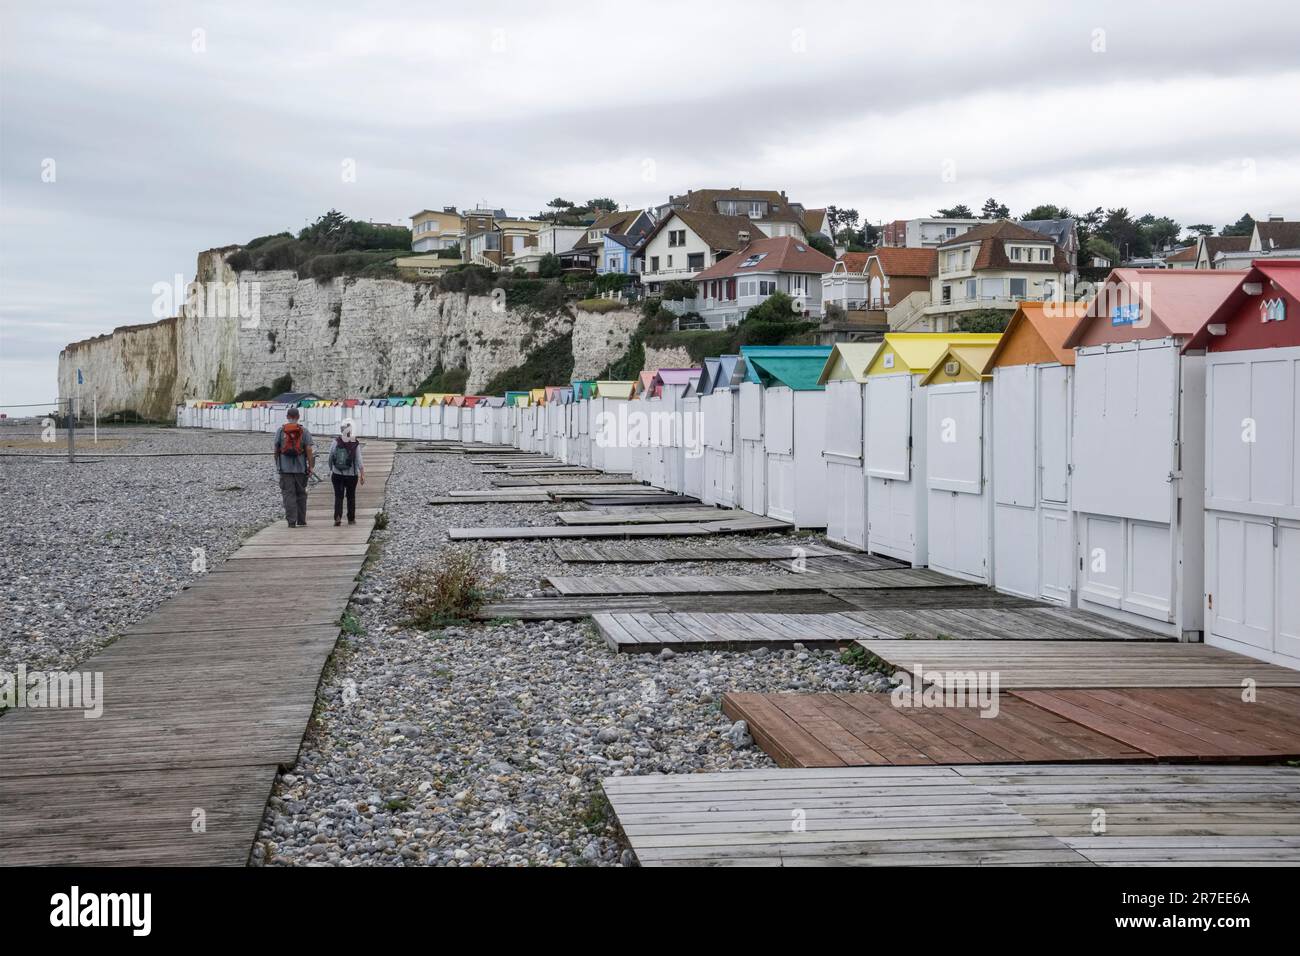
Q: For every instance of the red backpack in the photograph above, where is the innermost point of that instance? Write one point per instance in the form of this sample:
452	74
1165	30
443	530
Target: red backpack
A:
291	440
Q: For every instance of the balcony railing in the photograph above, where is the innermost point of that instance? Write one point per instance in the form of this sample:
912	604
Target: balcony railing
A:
654	274
858	305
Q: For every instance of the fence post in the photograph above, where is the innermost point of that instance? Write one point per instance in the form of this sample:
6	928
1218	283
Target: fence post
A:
72	444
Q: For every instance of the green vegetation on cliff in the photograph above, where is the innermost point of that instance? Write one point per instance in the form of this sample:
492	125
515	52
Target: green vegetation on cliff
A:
760	327
451	381
333	245
266	392
552	364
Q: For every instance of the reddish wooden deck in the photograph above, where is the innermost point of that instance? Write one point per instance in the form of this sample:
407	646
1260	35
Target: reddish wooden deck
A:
1145	724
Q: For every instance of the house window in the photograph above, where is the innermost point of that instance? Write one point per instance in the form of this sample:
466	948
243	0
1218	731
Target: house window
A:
1017	288
947	294
965	259
695	261
1044	255
676	237
766	286
970	288
670	262
613	264
991	288
756	210
654	263
950	232
1015	253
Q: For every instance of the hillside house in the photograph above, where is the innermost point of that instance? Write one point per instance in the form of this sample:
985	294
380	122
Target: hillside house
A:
727	290
684	243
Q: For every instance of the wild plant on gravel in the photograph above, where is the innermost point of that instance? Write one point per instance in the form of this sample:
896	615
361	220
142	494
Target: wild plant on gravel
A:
451	588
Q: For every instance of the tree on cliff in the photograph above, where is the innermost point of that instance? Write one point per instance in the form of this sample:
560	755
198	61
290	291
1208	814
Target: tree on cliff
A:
335	232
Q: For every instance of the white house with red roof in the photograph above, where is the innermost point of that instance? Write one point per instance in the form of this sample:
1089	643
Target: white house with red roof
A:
728	289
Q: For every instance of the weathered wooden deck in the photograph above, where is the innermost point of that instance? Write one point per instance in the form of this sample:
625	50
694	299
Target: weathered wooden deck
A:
202	702
734	525
655	552
737	583
629	626
1086	663
676	513
579	606
966	815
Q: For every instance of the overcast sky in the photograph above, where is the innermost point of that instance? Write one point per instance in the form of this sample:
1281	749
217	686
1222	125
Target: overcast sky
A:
174	127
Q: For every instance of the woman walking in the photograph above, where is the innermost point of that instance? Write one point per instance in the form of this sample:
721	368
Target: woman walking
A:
346	471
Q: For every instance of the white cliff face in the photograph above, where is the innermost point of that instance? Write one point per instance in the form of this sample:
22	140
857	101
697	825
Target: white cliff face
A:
675	357
600	339
344	337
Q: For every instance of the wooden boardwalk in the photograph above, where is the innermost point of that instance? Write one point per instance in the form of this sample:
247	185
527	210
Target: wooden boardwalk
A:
202	702
965	815
1086	663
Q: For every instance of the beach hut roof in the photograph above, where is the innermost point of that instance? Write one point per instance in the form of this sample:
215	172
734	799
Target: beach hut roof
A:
708	375
731	372
677	376
848	362
1036	335
1261	284
795	366
1168	302
612	389
961	363
916	352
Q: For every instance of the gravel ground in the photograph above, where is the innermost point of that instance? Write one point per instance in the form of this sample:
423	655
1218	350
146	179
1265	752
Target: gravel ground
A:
88	549
485	744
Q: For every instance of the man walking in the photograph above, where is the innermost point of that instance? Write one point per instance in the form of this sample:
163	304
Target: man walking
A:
294	461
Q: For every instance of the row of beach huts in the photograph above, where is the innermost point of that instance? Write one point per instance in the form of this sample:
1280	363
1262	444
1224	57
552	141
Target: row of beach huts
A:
1135	456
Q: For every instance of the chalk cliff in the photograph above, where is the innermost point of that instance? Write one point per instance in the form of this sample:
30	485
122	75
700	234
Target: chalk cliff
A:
345	337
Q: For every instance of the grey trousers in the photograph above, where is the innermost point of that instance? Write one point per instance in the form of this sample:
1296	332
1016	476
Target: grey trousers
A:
293	487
